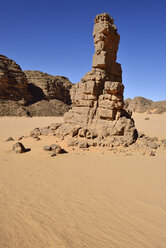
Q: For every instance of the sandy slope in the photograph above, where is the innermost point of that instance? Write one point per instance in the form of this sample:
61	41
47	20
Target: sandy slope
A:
86	200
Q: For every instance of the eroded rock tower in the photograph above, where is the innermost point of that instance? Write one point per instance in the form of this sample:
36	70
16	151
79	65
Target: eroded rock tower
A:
97	112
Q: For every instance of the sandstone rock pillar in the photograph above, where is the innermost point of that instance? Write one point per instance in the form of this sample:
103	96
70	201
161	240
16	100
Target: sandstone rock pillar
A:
98	98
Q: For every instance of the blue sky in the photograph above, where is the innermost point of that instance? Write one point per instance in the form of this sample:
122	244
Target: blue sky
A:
56	37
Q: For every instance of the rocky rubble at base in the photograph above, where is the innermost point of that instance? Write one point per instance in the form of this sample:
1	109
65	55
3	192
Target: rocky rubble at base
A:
144	145
77	139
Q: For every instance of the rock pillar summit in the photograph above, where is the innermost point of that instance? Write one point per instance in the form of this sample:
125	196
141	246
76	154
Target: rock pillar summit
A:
97	111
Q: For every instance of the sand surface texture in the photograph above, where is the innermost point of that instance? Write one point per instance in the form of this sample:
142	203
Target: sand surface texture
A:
80	200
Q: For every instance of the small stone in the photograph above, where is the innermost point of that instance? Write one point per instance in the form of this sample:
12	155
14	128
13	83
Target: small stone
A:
56	148
82	144
46	131
141	135
20	138
92	143
71	143
164	141
47	148
91	134
9	139
36	132
152	145
55	126
19	148
53	154
76	142
151	153
82	132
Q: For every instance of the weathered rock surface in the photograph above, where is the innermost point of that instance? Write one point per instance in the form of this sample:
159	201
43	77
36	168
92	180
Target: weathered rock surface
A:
19	148
54	149
97	112
31	93
13	82
48	86
141	105
41	108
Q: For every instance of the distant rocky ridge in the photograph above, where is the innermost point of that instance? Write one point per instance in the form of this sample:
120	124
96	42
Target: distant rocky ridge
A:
31	93
52	87
142	105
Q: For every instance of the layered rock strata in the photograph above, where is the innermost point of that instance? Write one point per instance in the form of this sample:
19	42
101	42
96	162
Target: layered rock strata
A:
31	93
97	111
13	82
48	86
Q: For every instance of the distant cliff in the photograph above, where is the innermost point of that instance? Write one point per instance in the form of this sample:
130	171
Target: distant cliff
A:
31	93
13	81
141	105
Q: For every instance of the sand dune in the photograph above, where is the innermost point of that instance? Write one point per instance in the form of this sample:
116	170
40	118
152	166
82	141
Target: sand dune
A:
85	200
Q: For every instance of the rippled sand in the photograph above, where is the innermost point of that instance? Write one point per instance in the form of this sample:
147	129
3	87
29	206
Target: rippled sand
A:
85	200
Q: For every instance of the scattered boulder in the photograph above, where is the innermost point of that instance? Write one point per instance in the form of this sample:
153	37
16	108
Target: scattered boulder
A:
35	132
141	135
19	148
54	126
152	145
82	144
151	153
36	137
9	139
164	141
47	148
91	134
55	149
71	142
53	154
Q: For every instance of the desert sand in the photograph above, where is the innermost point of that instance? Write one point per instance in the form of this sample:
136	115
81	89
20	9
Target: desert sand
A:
80	199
